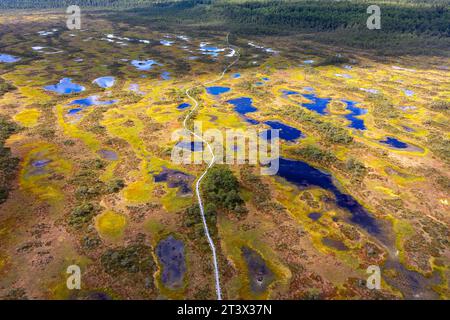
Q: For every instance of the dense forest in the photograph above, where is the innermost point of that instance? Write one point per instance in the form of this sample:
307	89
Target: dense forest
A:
44	4
415	24
431	17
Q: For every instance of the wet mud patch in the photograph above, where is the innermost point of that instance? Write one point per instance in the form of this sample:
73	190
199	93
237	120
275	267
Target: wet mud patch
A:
259	274
176	179
171	255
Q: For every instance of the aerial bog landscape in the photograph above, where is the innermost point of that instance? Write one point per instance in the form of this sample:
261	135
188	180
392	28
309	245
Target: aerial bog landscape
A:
115	161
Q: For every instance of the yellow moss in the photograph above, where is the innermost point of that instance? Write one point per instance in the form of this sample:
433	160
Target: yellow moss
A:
387	191
73	131
138	191
111	225
28	117
402	231
232	241
174	203
39	181
34	95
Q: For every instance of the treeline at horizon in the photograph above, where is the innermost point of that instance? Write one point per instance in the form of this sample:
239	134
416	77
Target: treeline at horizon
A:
57	4
117	4
411	26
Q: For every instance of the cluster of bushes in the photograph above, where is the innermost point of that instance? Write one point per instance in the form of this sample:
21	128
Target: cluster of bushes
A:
88	188
440	146
8	163
5	87
353	168
383	107
440	106
329	131
333	60
194	222
314	154
83	214
356	169
134	259
221	190
260	191
88	184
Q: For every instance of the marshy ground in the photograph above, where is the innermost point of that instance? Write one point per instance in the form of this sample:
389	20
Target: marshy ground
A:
364	180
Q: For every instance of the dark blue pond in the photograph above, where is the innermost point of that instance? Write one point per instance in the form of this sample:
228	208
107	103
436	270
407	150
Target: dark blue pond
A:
288	92
265	79
7	58
39	167
286	132
74	111
105	82
314	216
170	252
91	101
319	105
176	179
108	154
259	274
40	163
236	75
412	284
356	123
303	175
408	129
215	90
190	145
335	244
243	105
183	106
65	86
394	143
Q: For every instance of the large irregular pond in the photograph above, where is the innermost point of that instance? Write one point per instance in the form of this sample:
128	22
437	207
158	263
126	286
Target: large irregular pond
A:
176	179
260	276
318	105
243	105
170	252
286	132
394	143
303	175
7	58
91	101
65	86
355	122
217	90
412	284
